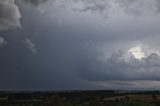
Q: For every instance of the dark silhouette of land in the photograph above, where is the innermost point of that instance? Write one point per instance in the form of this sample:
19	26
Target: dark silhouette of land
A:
81	98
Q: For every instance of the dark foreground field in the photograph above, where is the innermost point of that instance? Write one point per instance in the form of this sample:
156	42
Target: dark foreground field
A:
81	98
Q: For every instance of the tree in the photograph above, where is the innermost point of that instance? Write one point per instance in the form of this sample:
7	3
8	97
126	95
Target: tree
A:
154	96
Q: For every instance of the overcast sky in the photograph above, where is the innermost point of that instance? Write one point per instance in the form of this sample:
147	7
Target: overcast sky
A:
79	44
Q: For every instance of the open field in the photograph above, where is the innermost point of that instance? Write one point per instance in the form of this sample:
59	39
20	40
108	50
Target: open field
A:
80	98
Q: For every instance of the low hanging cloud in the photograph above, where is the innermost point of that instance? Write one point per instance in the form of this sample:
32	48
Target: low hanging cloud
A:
9	15
120	67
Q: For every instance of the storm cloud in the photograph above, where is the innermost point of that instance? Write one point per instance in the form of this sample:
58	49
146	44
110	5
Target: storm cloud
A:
9	15
134	7
80	44
123	68
35	2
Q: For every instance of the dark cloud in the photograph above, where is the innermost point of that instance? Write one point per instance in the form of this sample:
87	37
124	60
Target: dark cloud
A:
120	67
9	15
92	5
75	46
35	2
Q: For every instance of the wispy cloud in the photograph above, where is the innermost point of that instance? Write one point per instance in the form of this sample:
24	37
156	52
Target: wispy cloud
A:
2	41
31	46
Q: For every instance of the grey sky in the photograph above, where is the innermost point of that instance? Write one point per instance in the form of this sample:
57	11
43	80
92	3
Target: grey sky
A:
83	44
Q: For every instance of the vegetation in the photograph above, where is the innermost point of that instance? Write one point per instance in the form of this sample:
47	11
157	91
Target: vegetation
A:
80	98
